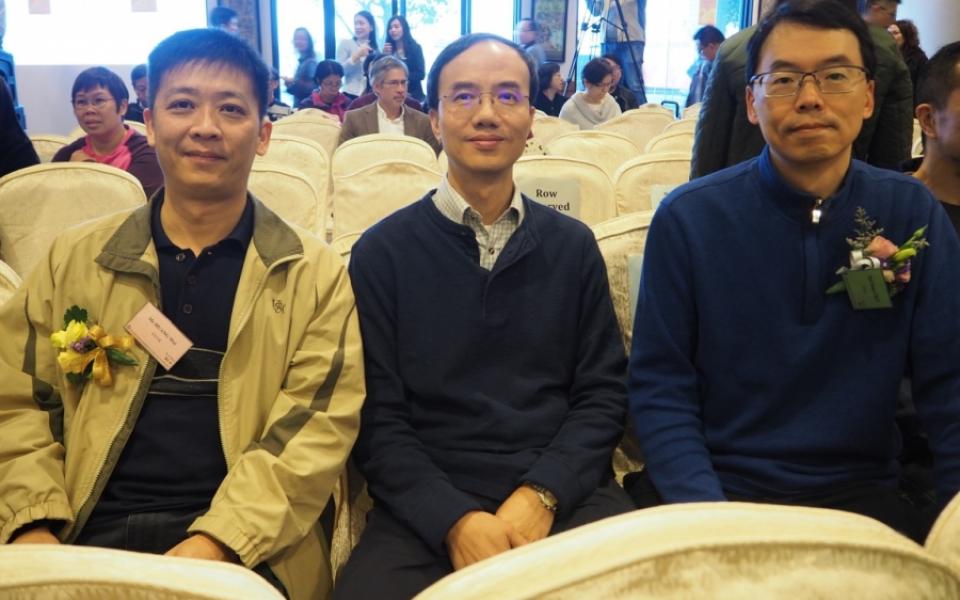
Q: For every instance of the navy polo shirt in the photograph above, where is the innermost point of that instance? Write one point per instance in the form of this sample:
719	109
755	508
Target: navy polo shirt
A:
174	459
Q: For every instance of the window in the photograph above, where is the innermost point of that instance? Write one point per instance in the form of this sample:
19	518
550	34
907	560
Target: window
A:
434	24
493	16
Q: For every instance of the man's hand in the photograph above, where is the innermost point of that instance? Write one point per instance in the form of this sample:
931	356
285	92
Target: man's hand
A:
529	517
203	546
479	535
36	535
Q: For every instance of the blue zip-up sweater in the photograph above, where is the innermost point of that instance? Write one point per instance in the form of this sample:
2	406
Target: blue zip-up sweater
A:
481	380
746	378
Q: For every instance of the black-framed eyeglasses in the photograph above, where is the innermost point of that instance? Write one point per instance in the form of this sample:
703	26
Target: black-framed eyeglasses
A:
840	79
469	100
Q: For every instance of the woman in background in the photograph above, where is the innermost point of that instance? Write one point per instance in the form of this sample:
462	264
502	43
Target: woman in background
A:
401	45
905	34
595	105
550	98
301	84
352	51
327	96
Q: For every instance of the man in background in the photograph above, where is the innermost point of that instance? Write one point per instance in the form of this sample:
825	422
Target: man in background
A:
625	37
138	77
708	39
225	18
528	33
882	13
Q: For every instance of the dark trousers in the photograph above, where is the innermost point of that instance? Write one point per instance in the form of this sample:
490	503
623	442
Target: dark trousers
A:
890	506
153	533
393	562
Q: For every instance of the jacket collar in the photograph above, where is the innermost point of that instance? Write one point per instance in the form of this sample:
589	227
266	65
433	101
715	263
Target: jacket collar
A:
130	249
794	203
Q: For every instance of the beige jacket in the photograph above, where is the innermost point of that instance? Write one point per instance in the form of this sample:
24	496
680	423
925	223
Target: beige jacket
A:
291	387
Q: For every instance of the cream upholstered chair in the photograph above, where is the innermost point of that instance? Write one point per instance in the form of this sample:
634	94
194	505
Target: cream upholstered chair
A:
917	143
362	198
654	107
313	124
638	125
605	149
943	541
66	572
353	503
9	282
359	152
681	125
641	183
442	163
575	187
691	112
39	202
671	141
48	144
545	128
302	154
344	242
291	194
722	551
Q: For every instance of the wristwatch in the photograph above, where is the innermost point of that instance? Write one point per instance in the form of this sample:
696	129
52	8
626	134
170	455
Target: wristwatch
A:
547	498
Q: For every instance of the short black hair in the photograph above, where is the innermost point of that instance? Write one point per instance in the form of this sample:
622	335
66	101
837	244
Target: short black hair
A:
940	77
326	68
595	71
708	34
138	72
614	59
95	77
222	15
213	47
821	14
546	71
461	45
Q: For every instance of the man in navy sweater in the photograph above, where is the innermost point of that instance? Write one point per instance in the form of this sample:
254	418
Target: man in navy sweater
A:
747	380
495	368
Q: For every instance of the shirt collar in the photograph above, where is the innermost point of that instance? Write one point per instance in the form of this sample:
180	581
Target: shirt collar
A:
240	236
452	205
382	114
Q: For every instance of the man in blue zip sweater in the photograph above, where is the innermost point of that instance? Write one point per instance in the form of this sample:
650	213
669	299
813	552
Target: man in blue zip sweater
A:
495	370
747	380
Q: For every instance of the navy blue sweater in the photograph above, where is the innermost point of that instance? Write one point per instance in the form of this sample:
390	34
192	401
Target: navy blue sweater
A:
746	378
477	380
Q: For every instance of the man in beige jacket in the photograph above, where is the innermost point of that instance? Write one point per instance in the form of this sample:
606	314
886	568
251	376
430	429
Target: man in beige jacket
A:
230	450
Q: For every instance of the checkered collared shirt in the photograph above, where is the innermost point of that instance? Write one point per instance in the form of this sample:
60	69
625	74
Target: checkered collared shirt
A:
491	239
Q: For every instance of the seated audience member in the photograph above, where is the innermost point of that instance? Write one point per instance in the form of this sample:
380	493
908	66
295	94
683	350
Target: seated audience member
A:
594	105
138	77
401	45
276	109
301	84
351	52
725	137
625	98
226	19
212	454
749	380
474	440
388	114
327	96
99	103
528	33
16	151
369	97
939	116
550	99
708	39
907	39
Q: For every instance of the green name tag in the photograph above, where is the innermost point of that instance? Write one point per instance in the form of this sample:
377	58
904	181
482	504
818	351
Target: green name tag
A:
867	289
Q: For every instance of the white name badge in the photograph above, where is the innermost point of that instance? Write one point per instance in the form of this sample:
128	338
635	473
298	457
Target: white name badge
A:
657	193
562	195
158	335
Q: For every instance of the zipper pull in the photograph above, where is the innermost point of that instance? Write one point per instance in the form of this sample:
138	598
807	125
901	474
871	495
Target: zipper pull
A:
817	211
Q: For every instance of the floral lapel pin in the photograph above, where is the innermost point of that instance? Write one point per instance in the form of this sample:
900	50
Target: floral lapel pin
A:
86	351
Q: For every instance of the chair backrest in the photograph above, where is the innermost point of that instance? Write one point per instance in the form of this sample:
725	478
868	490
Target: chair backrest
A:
641	183
691	112
671	141
545	128
302	154
575	187
681	125
605	149
654	107
291	194
48	144
39	202
9	281
442	163
943	541
74	572
344	242
638	125
365	150
313	124
362	198
722	550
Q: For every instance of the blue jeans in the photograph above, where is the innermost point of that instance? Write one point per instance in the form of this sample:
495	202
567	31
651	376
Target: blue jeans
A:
632	76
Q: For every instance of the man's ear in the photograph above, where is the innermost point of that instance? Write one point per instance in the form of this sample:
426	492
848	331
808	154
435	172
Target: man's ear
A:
148	121
266	128
435	124
868	107
926	115
752	115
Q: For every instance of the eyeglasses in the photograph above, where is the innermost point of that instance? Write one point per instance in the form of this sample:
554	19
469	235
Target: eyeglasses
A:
469	100
830	80
395	83
331	85
98	102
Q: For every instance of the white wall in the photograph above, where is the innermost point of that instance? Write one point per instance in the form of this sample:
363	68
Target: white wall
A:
938	21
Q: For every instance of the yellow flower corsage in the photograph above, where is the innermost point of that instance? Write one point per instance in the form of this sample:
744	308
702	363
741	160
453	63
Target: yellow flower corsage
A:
87	351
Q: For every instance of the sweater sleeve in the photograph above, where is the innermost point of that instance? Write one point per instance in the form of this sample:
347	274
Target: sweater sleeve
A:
574	464
934	348
663	381
144	165
399	472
